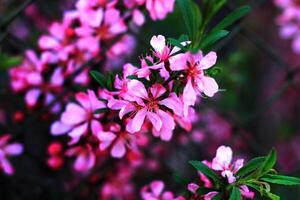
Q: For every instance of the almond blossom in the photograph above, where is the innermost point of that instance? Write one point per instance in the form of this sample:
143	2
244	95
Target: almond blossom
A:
79	118
7	150
155	191
197	81
144	104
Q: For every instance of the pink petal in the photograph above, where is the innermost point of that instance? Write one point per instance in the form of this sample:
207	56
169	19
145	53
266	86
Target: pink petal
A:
208	61
155	120
174	103
137	89
135	124
32	96
189	95
48	42
210	195
138	17
6	166
157	188
13	149
106	136
59	128
158	43
157	90
210	86
192	187
223	158
73	115
118	150
178	62
78	131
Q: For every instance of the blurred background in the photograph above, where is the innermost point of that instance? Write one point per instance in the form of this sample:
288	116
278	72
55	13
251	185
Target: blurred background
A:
257	109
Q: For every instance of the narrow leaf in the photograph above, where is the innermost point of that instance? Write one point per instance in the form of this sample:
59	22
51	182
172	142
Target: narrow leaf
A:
281	180
101	110
269	162
272	196
235	194
251	166
232	18
206	171
100	78
213	37
219	196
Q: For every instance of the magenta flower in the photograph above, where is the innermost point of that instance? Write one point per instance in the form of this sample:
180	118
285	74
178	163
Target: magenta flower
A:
159	9
144	104
78	118
155	191
115	139
85	157
7	150
197	82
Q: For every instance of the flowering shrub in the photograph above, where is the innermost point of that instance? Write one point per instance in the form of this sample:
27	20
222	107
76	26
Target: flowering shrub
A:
289	21
224	179
116	128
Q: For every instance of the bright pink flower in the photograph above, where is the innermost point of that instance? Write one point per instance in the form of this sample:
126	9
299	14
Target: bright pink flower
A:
85	158
194	66
79	118
118	141
159	9
145	104
7	150
155	191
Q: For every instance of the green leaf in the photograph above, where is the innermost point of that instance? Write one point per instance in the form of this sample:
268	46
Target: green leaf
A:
232	18
101	110
257	187
132	77
191	16
206	171
272	196
281	180
100	78
110	81
7	61
213	37
269	162
176	43
250	166
235	194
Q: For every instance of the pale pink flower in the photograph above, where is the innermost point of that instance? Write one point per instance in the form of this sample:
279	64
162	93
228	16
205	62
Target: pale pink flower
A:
7	150
77	119
159	9
223	162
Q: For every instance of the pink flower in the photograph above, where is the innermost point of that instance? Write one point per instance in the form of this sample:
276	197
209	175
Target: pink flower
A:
78	118
163	51
194	65
7	150
117	140
145	104
155	191
222	162
85	158
159	9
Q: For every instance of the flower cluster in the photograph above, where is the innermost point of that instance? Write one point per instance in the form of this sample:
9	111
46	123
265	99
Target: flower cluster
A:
95	30
289	21
7	150
223	164
155	98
